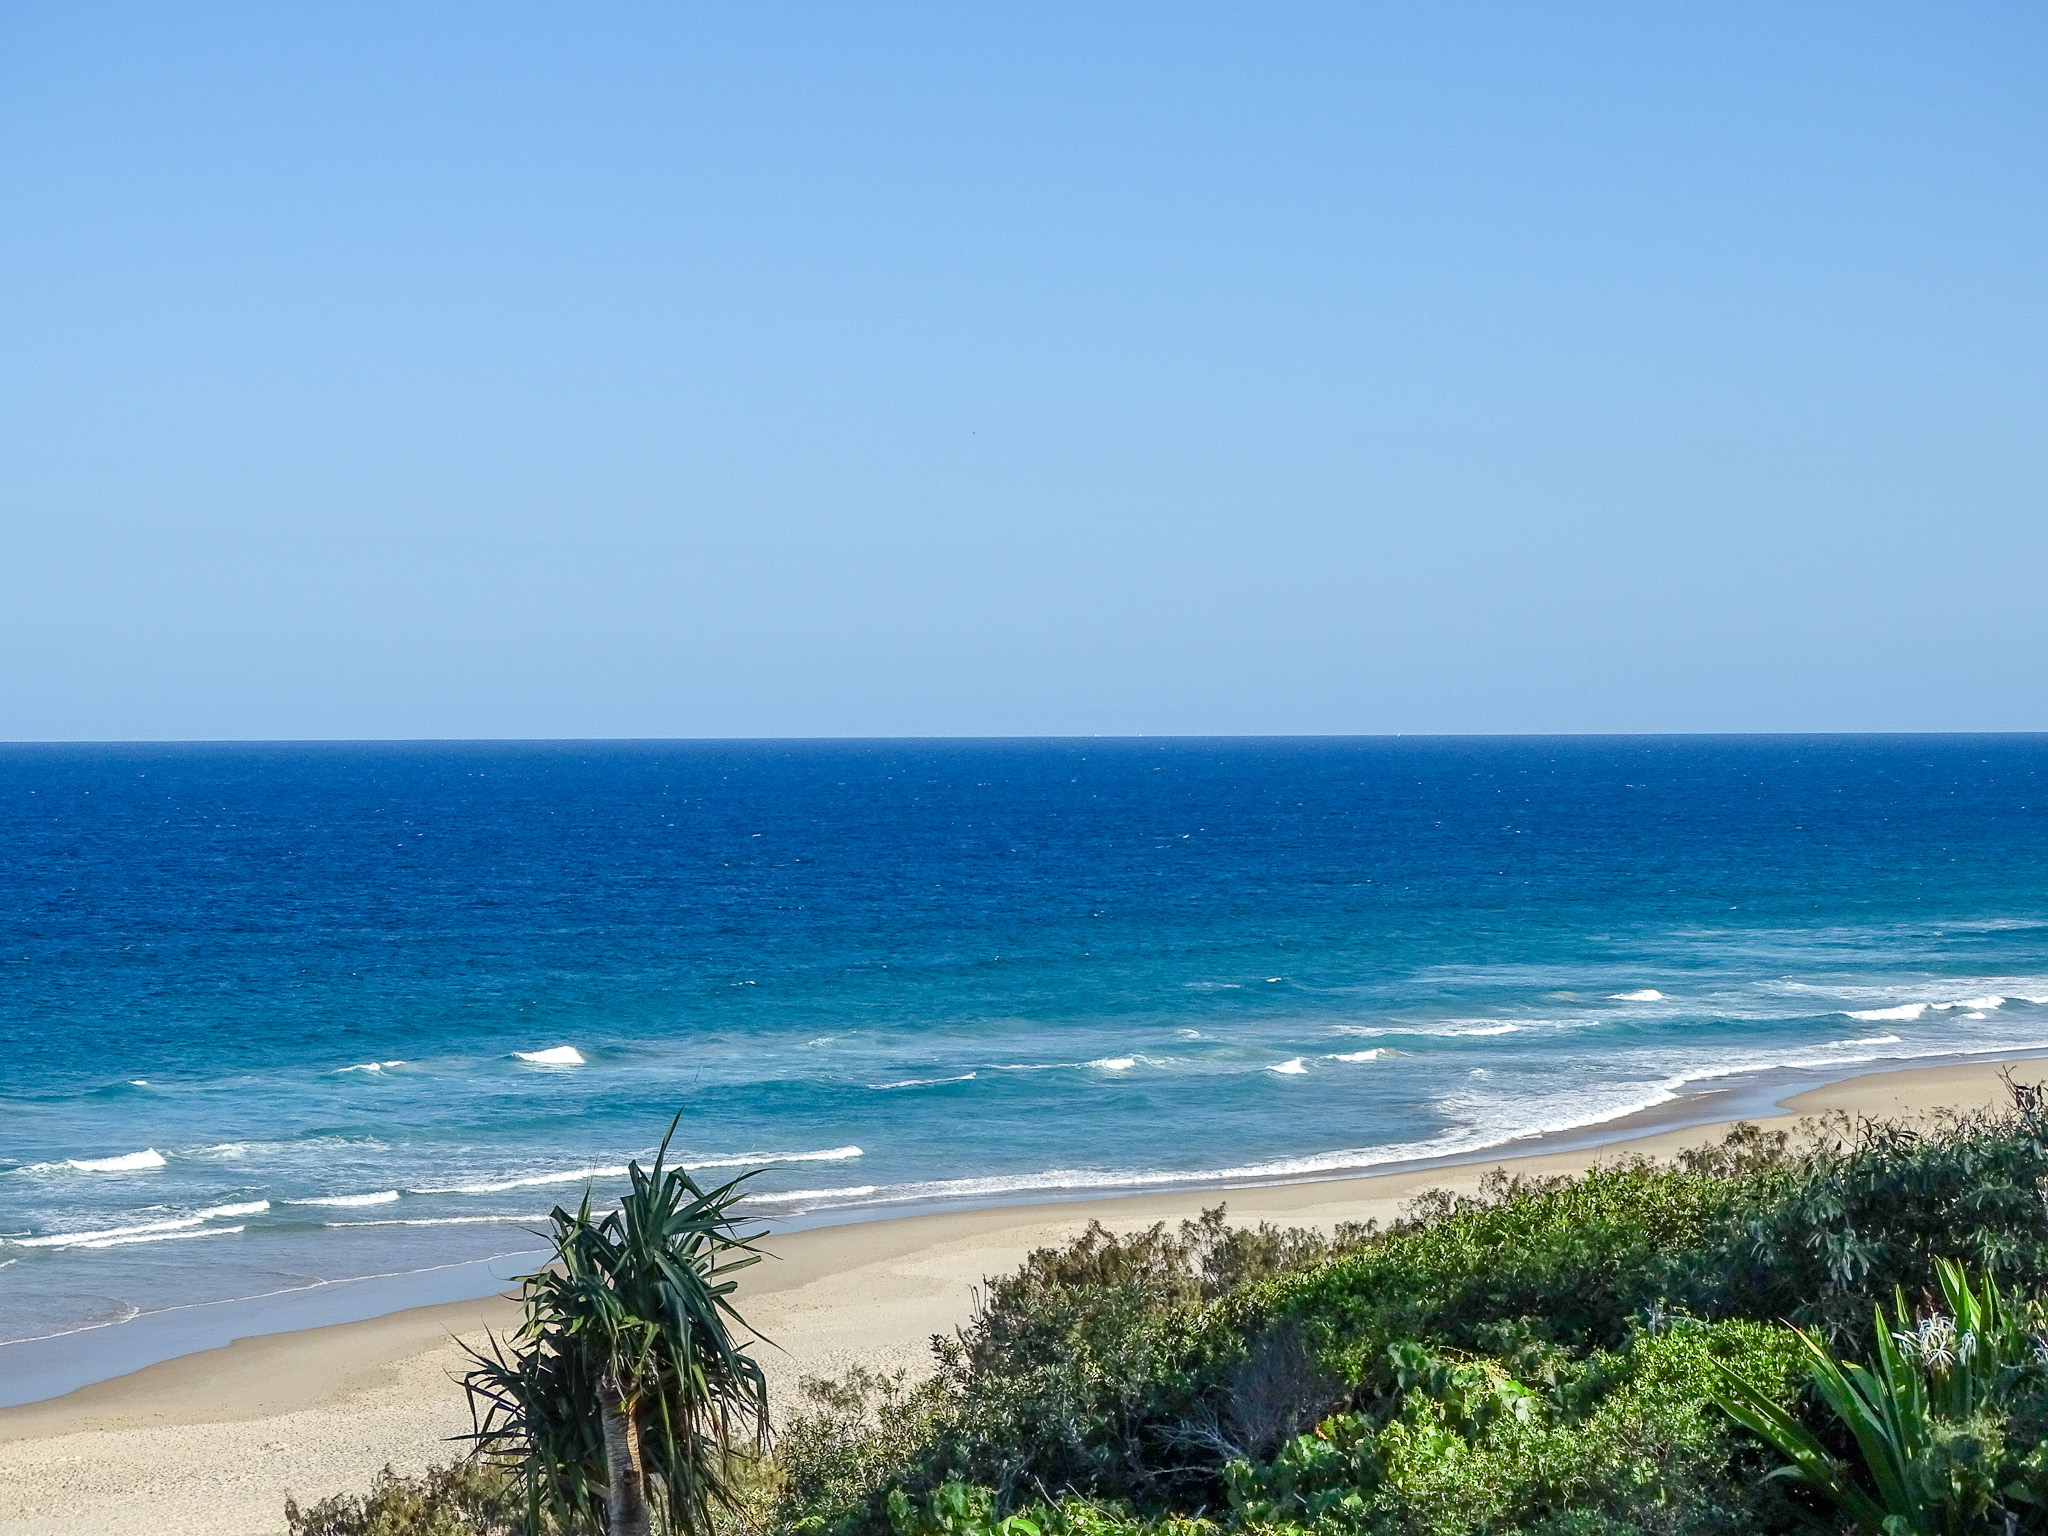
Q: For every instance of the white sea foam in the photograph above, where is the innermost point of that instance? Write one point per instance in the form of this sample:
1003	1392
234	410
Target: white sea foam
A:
580	1175
127	1163
1647	995
158	1237
381	1197
553	1056
1453	1030
750	1159
433	1221
379	1066
1974	1003
1882	1015
922	1082
1372	1055
1115	1063
1293	1068
789	1196
529	1181
1865	1040
142	1230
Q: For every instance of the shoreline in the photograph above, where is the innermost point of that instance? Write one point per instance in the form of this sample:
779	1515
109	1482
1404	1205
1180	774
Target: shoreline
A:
212	1440
37	1370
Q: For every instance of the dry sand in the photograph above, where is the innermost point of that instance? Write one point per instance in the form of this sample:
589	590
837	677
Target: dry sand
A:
211	1443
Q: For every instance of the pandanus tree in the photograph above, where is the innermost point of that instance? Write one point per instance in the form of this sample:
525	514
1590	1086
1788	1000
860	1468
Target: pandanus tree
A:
626	1393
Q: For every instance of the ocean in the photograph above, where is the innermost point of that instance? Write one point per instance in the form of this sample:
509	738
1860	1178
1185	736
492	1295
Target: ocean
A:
273	1015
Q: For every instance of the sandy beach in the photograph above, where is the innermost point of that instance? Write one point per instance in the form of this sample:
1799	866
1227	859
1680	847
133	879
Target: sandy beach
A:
212	1442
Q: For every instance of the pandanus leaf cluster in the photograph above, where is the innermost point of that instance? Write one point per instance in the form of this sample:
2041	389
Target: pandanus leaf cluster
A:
1926	1417
626	1393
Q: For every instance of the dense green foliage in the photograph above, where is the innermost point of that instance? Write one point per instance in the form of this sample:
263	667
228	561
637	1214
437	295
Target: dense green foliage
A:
1634	1352
1542	1357
466	1499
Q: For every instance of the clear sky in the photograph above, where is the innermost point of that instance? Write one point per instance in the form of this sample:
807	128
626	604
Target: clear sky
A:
438	369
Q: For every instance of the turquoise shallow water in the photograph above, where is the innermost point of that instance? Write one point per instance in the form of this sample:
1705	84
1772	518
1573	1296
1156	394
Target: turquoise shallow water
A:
281	1013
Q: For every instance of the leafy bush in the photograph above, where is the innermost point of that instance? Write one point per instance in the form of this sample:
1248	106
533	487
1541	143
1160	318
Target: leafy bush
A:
466	1498
1824	1237
1536	1358
1618	1442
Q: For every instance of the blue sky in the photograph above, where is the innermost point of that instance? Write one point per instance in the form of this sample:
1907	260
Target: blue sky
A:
635	370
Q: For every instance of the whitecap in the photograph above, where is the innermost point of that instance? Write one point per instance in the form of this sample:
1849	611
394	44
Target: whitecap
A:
1293	1068
128	1162
553	1056
1978	1003
1866	1040
1372	1055
106	1236
581	1175
433	1221
1115	1063
749	1159
925	1082
380	1197
159	1237
1452	1031
379	1066
529	1181
788	1196
1647	995
1881	1015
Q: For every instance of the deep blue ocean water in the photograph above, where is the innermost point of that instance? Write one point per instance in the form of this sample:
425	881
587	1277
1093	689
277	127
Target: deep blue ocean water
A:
278	1013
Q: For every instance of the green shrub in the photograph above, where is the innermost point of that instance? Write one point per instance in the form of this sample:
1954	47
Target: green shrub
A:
1519	1360
1620	1443
1823	1238
466	1498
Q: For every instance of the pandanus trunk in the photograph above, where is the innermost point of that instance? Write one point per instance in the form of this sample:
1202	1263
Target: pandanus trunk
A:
625	1506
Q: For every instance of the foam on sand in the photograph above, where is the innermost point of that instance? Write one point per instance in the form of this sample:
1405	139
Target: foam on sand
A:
553	1056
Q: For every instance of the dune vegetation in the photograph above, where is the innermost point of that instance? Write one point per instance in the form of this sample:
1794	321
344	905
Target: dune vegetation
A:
1841	1329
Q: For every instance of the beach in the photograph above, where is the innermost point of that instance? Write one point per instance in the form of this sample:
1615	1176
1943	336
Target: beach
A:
213	1442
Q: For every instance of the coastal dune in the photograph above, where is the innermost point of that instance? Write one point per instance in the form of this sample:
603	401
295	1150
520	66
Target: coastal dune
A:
213	1442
